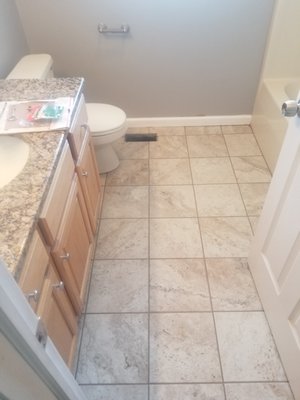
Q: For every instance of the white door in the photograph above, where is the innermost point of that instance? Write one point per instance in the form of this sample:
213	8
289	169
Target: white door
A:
275	255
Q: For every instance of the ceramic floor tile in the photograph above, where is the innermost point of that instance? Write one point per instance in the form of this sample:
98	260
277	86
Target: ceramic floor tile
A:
170	172
169	147
207	146
178	285
212	391
131	150
242	145
254	195
226	236
114	349
253	222
203	130
168	130
256	391
172	201
115	392
251	169
219	200
175	238
125	202
118	286
212	170
247	349
122	239
228	129
231	285
129	172
183	348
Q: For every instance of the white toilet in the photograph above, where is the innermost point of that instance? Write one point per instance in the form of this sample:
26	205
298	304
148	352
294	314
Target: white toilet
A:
107	123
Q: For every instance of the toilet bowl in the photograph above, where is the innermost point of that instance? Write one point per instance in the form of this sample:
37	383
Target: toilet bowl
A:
107	123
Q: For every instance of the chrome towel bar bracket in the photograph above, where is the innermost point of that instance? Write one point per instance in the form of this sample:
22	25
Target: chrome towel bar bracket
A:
124	28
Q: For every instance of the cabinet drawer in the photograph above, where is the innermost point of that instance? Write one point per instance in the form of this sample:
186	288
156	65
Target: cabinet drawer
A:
53	209
34	270
58	315
78	129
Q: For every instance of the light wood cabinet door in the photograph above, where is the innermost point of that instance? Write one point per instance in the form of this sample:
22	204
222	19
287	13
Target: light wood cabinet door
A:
34	270
88	175
73	248
53	209
58	315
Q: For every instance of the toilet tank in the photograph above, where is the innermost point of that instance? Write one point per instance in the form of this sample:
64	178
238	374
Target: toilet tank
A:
33	66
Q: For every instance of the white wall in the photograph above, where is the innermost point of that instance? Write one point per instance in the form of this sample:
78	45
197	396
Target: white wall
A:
282	58
12	39
182	58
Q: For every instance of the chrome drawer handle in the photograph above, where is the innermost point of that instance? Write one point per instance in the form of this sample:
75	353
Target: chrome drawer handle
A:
84	173
59	286
35	295
65	256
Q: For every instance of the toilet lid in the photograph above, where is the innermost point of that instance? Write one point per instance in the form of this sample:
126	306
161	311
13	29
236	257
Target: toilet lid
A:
104	117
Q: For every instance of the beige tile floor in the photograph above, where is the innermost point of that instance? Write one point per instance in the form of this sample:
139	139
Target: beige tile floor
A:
173	312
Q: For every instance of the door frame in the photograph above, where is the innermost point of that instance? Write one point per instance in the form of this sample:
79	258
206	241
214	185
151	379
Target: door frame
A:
18	324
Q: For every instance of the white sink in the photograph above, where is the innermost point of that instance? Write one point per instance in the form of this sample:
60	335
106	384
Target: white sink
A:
14	153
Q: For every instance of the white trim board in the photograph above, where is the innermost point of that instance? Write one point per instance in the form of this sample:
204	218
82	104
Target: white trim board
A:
190	121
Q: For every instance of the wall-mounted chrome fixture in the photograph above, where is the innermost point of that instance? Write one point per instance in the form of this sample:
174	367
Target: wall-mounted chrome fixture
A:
103	28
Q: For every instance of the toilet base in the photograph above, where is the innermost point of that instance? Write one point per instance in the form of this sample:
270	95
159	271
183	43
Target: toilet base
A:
107	158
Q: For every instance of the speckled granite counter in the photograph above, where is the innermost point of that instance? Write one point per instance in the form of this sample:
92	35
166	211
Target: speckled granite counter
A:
22	199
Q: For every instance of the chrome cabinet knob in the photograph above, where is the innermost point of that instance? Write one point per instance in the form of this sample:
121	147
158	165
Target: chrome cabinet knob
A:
290	108
35	295
59	286
65	256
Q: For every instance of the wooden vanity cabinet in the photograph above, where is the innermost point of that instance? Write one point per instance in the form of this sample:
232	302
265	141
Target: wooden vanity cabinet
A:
74	244
47	296
57	267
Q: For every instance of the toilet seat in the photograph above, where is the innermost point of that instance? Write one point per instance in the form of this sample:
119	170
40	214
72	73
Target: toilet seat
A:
105	119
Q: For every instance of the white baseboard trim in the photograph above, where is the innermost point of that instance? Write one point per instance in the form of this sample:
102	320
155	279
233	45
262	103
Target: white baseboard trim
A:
190	121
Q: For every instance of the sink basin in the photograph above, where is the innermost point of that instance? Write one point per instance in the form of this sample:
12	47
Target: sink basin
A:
14	153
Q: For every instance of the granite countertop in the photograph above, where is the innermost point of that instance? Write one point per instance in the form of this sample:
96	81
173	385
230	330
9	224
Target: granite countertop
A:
22	199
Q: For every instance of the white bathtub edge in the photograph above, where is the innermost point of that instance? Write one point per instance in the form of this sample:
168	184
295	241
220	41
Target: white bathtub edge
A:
190	121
